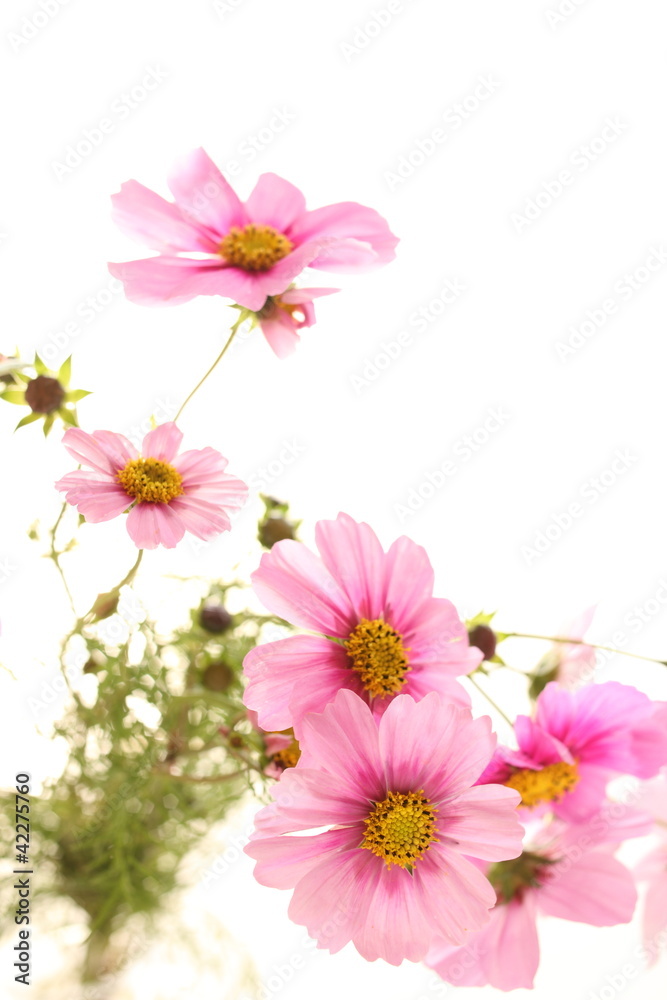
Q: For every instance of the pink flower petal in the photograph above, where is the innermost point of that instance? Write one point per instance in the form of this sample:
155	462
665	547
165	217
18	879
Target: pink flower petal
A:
153	524
312	666
483	823
281	335
163	442
119	450
275	202
172	280
300	296
457	894
655	917
432	745
433	678
204	195
354	557
365	236
308	799
293	583
397	925
146	217
200	466
96	500
408	579
282	861
596	889
512	951
200	518
87	451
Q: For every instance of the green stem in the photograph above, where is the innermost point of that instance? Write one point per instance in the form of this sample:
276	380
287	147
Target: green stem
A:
131	575
215	364
55	556
489	699
584	642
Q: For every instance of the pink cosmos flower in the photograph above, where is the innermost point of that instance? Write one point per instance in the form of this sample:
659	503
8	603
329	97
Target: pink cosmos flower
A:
576	743
283	315
567	872
246	251
572	664
167	493
389	873
381	631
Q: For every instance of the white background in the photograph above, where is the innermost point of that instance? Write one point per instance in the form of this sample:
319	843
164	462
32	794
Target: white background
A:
356	105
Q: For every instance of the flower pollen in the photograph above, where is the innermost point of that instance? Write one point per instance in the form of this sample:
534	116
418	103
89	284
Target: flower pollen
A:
148	480
254	248
378	656
400	828
549	784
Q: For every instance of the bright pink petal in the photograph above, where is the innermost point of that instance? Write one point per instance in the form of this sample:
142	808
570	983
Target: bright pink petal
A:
308	799
163	442
146	217
343	740
200	518
354	557
408	582
365	238
282	861
421	682
203	193
96	500
538	744
312	666
483	823
275	202
596	889
435	746
153	524
293	583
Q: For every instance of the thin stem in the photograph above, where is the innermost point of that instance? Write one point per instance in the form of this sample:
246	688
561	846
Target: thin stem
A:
55	556
584	642
489	699
215	364
133	572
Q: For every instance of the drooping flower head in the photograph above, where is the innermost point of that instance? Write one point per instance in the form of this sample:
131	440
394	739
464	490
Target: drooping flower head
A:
382	633
282	316
248	251
166	493
566	871
390	874
576	743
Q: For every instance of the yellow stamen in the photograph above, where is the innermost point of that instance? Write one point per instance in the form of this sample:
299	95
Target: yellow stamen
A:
148	480
254	248
288	757
548	785
378	656
400	828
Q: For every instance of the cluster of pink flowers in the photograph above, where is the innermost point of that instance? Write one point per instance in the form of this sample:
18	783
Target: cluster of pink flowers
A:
403	827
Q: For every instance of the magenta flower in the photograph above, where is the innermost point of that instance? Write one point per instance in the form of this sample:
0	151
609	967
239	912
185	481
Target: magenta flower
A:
167	494
282	316
390	873
577	742
246	251
568	872
381	631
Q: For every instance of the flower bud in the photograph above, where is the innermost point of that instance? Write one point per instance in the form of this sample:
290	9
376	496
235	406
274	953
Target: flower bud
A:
214	618
218	676
484	638
274	529
44	394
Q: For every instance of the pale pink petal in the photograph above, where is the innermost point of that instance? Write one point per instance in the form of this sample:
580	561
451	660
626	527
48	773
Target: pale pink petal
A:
332	900
280	332
275	202
343	740
87	451
596	889
655	917
461	966
203	193
278	278
153	524
173	280
313	666
293	583
512	950
200	466
585	799
96	500
146	217
200	518
455	893
163	442
119	450
282	861
397	925
354	557
365	238
308	799
421	682
301	296
483	823
408	583
435	746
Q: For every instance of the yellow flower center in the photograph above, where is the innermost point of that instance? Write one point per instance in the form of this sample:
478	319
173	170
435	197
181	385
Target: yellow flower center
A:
548	785
378	656
254	248
287	757
400	828
148	480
